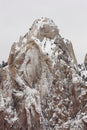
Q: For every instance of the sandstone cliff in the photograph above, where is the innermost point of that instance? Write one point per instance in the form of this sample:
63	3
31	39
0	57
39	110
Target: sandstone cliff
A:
40	88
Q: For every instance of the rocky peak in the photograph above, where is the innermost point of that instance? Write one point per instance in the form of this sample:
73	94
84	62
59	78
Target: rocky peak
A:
44	27
40	88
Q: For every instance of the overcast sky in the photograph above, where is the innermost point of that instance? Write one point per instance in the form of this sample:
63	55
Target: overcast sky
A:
16	16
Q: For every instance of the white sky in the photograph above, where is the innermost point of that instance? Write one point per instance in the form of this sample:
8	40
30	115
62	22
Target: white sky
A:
16	16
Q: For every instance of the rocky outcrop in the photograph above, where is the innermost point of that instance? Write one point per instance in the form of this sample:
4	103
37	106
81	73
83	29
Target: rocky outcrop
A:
71	52
40	88
85	60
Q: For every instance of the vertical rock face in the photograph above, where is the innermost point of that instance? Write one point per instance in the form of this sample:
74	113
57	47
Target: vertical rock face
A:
85	60
71	52
40	88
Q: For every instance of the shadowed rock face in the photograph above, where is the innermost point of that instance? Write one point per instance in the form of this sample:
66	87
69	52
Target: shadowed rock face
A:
40	88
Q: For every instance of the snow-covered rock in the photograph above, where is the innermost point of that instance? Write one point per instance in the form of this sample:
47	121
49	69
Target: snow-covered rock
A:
40	88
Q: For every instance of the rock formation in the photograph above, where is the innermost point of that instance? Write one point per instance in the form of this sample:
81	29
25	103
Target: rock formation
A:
85	60
40	88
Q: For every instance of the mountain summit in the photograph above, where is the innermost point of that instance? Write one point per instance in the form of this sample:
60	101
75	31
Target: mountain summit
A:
40	88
